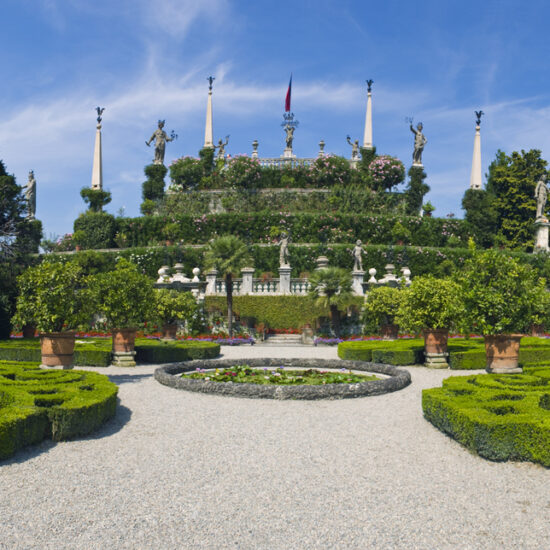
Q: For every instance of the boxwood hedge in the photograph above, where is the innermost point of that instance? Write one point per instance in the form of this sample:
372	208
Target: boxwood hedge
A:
96	352
37	404
500	417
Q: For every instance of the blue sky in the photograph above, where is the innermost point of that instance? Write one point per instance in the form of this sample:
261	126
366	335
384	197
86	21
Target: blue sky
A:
437	61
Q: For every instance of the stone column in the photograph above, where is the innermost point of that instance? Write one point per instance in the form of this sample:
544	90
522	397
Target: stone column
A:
284	279
541	238
367	138
475	176
208	133
322	262
248	277
97	169
211	282
357	282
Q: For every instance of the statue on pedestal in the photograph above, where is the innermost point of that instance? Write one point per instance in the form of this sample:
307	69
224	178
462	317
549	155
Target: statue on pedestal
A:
354	148
283	251
221	148
358	256
419	142
541	194
30	195
160	137
289	138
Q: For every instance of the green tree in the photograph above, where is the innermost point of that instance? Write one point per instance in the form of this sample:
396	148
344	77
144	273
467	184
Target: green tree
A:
96	199
481	215
331	289
415	190
511	181
153	187
227	255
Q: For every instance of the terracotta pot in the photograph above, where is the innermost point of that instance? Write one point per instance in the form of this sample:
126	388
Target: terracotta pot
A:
502	353
169	331
78	248
124	340
389	332
537	330
57	349
435	340
28	331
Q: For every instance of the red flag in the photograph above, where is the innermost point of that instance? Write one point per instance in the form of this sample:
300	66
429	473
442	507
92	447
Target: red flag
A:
288	92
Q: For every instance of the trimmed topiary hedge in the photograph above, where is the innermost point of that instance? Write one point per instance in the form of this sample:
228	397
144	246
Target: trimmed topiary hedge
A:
36	404
500	417
96	352
464	353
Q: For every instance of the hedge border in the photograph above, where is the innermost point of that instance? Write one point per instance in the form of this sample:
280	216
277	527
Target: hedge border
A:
398	379
38	404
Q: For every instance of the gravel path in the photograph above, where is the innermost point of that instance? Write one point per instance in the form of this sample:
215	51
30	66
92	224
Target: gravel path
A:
179	470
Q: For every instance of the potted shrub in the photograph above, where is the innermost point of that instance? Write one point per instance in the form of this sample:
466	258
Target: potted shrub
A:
124	297
502	298
170	307
51	299
431	306
380	309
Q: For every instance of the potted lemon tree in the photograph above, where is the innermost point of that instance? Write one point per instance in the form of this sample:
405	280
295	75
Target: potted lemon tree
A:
431	306
380	309
502	299
51	299
124	298
170	307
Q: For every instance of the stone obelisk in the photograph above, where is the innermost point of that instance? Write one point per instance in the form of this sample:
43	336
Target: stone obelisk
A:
97	169
367	138
208	139
475	176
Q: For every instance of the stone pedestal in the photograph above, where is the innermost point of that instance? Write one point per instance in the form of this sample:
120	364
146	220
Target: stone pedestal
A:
308	336
124	358
417	165
211	281
357	282
248	276
541	235
436	360
284	279
322	262
287	154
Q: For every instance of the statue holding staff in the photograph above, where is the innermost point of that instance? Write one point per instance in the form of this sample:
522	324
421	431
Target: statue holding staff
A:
419	142
354	148
160	137
221	148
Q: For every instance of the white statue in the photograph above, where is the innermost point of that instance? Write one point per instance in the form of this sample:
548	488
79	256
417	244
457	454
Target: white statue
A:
541	194
358	256
30	195
283	252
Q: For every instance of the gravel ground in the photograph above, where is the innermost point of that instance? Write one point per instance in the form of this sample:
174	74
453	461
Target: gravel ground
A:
183	470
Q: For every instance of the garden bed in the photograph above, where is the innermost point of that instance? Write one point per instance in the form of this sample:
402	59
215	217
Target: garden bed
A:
393	379
37	404
464	353
500	417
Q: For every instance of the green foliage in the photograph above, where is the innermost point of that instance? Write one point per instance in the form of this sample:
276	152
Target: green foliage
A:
430	303
331	170
242	172
381	305
500	417
206	156
395	352
367	156
153	187
415	190
386	172
157	352
500	295
98	229
172	306
50	297
511	184
186	173
124	296
481	215
400	233
96	199
244	374
60	405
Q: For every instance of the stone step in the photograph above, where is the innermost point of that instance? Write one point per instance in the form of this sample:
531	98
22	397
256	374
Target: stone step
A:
282	340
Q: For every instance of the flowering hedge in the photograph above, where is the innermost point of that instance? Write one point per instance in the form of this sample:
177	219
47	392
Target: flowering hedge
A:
386	172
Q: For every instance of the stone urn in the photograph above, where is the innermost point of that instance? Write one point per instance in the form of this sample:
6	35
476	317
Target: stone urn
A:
389	331
502	353
435	348
57	349
124	340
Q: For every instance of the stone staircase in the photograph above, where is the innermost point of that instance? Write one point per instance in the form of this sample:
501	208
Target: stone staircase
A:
282	340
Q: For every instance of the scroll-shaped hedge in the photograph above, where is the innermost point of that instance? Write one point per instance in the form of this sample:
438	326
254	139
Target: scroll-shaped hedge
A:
501	417
37	404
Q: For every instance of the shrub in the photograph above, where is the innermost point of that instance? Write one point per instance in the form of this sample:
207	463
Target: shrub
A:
37	404
415	190
242	172
154	351
381	305
331	170
430	303
172	306
386	172
499	417
96	199
98	229
153	187
186	172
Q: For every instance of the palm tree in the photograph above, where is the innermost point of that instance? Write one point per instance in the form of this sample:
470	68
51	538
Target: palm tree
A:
228	255
331	289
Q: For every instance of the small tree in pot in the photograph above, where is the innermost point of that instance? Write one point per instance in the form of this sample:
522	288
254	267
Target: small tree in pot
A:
502	299
380	309
124	297
172	306
431	306
51	299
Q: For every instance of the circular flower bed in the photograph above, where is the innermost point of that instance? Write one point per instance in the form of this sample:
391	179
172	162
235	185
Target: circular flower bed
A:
278	385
